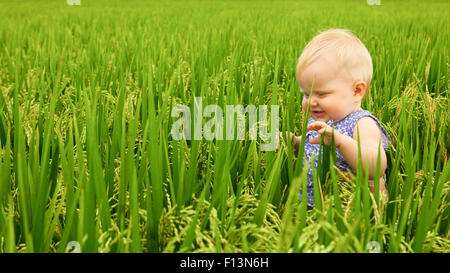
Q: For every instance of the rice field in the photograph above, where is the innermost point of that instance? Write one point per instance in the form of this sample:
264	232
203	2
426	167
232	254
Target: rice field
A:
86	152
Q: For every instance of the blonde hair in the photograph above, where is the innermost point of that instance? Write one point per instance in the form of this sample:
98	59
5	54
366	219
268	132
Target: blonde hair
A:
350	52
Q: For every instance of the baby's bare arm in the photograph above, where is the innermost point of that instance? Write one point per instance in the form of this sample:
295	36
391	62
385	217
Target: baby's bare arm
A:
370	137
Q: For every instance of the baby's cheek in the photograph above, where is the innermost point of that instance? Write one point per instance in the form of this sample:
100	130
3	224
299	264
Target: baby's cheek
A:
304	105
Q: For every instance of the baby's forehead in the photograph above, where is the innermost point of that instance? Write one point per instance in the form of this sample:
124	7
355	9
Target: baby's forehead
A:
325	61
322	68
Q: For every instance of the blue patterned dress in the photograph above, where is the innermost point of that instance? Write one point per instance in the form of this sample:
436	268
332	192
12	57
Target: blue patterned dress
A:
344	126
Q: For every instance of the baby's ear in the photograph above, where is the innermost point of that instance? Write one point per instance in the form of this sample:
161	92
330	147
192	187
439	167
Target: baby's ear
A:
359	89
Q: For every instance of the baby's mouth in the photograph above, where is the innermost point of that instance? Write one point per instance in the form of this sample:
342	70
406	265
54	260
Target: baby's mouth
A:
318	113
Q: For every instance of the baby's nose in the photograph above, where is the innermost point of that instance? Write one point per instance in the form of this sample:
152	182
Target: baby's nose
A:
313	102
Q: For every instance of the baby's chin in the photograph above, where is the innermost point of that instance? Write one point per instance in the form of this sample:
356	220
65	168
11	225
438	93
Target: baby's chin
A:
322	119
326	117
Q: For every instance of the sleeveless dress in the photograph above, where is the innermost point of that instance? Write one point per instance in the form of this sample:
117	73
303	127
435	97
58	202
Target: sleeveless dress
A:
344	126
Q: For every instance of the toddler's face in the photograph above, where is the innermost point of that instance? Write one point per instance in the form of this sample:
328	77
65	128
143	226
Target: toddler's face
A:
332	95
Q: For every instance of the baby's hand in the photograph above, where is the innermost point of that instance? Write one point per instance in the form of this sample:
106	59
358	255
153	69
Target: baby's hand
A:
277	141
281	135
325	130
278	137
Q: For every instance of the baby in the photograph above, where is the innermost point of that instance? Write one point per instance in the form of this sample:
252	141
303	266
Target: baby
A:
334	73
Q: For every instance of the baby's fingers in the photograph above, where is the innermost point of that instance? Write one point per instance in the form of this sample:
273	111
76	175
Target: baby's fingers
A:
316	125
277	142
315	140
280	137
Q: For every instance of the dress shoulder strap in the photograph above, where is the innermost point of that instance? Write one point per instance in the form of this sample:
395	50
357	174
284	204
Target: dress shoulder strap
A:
349	123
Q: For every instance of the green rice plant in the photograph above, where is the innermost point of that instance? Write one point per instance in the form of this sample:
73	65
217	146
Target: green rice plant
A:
87	155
